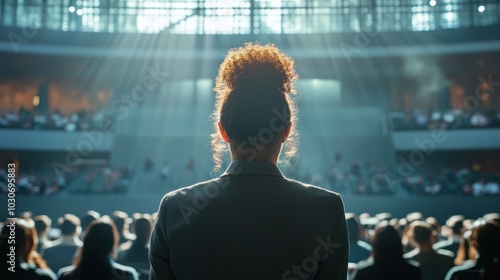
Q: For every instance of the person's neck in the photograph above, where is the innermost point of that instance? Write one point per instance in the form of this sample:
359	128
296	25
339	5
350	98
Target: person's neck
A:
269	154
273	160
426	248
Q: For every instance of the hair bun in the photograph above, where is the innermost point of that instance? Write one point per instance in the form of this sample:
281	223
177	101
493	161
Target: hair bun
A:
259	77
257	67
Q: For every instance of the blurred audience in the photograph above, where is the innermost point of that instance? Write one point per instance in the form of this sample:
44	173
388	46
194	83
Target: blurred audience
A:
62	251
451	119
23	262
485	239
122	222
454	232
89	217
358	249
42	225
387	261
36	119
135	253
95	259
382	246
434	264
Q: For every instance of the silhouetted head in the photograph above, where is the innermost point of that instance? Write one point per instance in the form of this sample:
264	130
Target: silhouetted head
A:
25	236
387	246
456	224
88	218
100	240
421	232
352	227
42	224
121	221
486	238
254	109
142	228
69	224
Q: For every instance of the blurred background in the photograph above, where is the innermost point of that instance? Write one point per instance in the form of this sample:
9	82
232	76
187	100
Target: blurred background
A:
105	104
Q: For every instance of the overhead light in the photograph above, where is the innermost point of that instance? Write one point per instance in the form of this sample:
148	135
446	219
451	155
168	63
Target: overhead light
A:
481	8
71	9
432	3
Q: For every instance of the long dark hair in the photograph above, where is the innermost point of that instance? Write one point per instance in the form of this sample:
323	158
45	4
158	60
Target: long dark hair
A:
486	238
99	244
387	246
25	246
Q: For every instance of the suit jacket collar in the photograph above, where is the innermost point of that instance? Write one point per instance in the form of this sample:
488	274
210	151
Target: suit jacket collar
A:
252	167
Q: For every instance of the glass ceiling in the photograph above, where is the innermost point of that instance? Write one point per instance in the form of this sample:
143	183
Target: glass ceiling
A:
248	16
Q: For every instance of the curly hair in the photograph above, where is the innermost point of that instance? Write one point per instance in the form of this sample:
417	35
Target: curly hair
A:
254	86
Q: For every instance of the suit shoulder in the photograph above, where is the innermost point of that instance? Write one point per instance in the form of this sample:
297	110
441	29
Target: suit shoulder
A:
312	190
181	193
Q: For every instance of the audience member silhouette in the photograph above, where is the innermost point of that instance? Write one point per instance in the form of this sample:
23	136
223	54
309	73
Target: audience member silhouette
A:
87	219
485	238
387	262
455	223
63	250
135	253
434	264
358	250
22	263
42	225
94	261
121	221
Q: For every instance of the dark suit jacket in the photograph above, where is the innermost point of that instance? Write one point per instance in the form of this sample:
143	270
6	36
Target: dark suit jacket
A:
250	223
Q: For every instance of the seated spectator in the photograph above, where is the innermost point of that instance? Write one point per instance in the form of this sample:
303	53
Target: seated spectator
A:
63	250
122	221
27	263
94	261
455	223
87	219
434	264
387	262
478	187
135	253
486	239
42	225
491	188
358	249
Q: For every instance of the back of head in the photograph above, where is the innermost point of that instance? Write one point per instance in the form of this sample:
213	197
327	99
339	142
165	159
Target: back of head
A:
101	238
69	224
26	240
487	240
88	218
421	232
486	237
253	98
352	227
456	224
142	228
120	219
387	246
42	224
